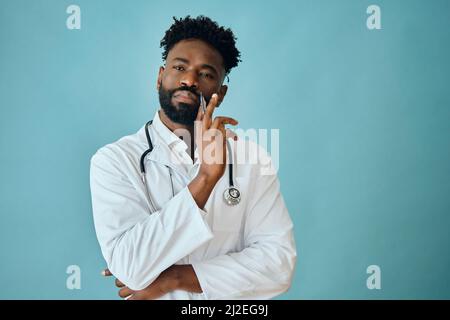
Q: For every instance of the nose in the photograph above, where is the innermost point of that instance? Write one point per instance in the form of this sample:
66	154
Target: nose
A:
189	79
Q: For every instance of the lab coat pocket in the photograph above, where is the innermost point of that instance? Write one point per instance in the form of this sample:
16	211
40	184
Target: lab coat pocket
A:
159	183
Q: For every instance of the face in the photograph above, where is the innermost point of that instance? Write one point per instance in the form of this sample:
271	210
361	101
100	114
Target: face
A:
192	66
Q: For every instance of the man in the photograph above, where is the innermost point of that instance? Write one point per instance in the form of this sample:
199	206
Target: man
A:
193	244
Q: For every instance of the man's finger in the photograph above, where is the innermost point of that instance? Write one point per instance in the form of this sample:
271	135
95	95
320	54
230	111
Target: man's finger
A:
211	106
106	273
222	121
125	292
134	297
119	283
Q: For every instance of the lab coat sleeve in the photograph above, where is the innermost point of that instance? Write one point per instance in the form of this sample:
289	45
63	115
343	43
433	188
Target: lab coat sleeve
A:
264	268
138	246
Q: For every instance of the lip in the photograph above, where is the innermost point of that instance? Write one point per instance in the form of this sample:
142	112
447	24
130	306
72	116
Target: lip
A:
185	96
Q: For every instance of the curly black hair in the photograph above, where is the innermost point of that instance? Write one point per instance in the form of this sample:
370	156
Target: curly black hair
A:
205	29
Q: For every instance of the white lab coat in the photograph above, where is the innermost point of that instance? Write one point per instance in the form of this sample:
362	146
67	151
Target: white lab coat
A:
245	251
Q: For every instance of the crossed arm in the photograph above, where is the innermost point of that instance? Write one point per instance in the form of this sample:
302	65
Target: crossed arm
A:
176	277
263	269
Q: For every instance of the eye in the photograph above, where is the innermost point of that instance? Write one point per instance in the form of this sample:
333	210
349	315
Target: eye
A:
206	75
178	68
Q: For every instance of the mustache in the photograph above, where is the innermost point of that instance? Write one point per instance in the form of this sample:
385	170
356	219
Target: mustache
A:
185	88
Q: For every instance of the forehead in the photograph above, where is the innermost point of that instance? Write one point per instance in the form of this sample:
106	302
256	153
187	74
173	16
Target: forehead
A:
197	52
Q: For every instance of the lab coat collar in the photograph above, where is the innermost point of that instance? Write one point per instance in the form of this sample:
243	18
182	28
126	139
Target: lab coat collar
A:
170	139
165	144
165	134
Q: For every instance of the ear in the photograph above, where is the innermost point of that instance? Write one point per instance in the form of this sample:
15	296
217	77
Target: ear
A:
222	92
159	80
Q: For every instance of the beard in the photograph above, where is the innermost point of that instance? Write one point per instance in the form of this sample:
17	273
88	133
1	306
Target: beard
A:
184	113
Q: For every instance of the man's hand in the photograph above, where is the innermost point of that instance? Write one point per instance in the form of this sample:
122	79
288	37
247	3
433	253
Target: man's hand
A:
176	277
210	138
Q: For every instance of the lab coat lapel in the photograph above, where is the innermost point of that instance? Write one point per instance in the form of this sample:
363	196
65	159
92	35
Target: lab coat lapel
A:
162	155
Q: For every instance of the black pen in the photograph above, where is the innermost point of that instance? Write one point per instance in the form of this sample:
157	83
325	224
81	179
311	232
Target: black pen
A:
202	102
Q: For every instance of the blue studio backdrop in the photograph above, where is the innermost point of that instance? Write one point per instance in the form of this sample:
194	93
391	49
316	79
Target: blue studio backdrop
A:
363	114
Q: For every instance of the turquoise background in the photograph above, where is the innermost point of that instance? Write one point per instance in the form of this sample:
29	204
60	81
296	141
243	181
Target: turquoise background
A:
364	125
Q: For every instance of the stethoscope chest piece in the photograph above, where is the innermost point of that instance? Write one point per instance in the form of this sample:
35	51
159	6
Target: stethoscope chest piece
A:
232	196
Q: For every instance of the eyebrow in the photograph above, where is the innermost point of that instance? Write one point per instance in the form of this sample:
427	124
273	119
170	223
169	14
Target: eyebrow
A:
205	65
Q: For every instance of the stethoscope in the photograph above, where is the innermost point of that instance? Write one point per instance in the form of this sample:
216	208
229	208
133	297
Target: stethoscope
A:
231	195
